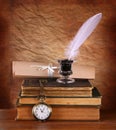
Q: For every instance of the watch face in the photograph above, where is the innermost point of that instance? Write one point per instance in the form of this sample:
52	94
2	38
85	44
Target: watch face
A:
41	111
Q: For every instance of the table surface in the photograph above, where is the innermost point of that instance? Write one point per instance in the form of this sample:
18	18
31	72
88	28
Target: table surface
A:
7	122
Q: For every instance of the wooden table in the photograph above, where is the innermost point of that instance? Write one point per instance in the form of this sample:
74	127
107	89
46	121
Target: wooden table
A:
7	122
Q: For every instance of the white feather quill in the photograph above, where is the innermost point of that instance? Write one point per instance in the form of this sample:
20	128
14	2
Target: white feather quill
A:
83	33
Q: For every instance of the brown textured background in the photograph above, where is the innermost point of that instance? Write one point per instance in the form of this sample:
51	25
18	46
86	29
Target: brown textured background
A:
39	30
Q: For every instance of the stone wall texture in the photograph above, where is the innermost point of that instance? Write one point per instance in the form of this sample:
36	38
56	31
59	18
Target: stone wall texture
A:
40	30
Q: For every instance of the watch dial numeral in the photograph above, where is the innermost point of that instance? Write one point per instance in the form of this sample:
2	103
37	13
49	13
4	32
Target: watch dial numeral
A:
36	114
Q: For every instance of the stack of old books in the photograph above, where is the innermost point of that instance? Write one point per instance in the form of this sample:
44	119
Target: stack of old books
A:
75	101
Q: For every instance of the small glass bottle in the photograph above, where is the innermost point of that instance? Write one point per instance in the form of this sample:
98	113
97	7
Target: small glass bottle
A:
65	70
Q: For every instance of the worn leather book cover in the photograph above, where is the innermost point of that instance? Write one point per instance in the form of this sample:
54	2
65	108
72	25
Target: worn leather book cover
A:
31	87
62	112
52	84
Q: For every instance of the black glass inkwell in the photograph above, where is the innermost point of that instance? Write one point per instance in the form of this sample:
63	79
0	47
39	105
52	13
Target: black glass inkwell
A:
65	70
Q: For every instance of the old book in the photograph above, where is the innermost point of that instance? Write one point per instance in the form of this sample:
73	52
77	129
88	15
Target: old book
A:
59	93
64	100
51	84
81	87
60	112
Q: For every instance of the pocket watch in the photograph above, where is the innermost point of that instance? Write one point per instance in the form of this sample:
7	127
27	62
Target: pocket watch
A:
41	111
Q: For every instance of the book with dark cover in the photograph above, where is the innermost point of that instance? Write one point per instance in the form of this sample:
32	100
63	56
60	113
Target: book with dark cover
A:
81	87
51	84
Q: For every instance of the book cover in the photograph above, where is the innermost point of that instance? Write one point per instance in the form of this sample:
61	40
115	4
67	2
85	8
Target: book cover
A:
59	112
51	84
81	87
